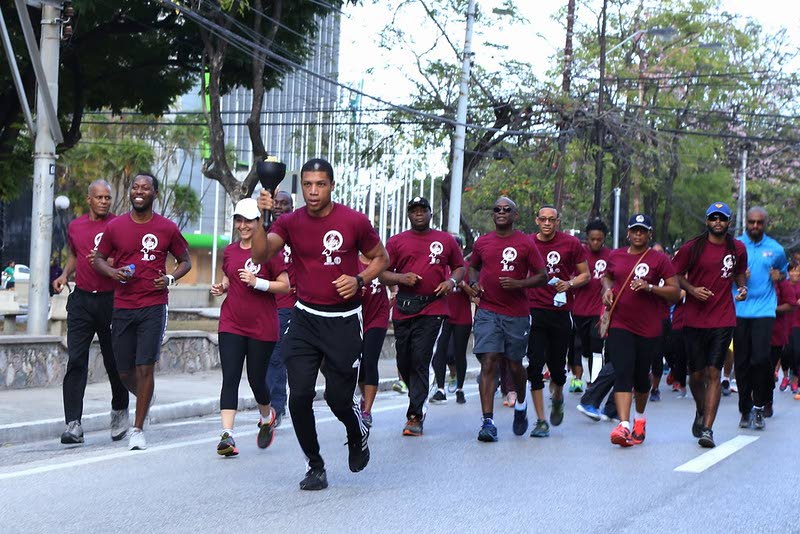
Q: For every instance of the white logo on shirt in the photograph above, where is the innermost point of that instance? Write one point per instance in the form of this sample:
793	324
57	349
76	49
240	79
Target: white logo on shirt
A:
287	254
553	258
727	266
149	242
436	249
509	255
97	239
641	271
599	268
375	286
332	242
253	268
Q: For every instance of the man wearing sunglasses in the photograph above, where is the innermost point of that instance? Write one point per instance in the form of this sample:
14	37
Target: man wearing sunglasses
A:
707	266
766	263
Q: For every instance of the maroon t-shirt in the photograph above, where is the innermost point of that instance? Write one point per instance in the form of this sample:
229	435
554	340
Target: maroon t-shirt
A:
561	255
432	255
246	311
714	270
282	261
678	316
588	300
145	245
325	248
783	321
375	305
640	312
513	256
83	236
796	314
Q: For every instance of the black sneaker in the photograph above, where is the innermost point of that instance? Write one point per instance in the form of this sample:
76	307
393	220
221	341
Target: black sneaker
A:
460	398
438	397
768	410
726	388
315	479
266	432
557	412
707	438
227	446
73	434
358	453
488	432
746	420
697	426
520	422
758	419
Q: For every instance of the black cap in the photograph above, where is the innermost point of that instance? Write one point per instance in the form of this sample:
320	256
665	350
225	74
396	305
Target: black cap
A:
640	219
418	201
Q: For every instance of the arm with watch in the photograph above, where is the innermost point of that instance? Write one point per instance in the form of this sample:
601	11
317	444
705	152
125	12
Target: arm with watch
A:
347	286
183	267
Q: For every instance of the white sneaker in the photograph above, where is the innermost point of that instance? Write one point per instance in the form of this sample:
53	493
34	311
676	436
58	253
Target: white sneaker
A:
119	424
734	388
136	442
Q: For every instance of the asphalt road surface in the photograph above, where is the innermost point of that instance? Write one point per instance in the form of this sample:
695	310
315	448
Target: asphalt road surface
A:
445	481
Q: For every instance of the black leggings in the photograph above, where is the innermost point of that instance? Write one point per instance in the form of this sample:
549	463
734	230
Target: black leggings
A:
370	354
675	353
233	349
632	356
791	357
457	337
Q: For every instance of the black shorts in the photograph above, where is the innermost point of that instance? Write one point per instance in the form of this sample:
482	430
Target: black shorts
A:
706	347
136	335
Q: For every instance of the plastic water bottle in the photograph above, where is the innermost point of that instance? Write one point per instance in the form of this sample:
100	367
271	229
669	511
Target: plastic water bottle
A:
559	299
131	269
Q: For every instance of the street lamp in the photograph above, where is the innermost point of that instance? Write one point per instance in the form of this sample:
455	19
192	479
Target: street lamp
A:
62	204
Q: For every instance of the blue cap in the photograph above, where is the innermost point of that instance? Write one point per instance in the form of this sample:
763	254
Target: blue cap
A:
640	219
719	207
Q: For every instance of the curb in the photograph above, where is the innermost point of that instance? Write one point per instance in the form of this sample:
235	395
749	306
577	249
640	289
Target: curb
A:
47	429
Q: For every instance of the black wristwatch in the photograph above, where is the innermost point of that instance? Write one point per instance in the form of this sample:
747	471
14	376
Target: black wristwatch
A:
359	281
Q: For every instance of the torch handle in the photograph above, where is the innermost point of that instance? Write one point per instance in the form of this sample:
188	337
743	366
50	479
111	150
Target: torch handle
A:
266	215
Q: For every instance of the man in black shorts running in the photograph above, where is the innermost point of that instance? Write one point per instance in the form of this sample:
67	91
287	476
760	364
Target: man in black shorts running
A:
325	330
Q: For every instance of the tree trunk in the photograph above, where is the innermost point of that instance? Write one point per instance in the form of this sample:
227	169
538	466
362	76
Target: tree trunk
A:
566	83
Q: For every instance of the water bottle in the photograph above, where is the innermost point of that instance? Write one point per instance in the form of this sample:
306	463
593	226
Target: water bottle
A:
559	299
131	269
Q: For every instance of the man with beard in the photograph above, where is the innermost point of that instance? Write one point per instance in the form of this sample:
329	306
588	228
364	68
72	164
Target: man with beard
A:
139	242
707	266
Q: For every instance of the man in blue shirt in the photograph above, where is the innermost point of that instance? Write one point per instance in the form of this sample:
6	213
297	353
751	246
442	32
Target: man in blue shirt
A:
766	262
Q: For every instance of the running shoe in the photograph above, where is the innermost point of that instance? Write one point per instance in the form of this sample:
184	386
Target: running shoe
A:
734	387
784	383
746	420
226	446
278	419
73	434
541	430
794	386
136	440
589	411
768	410
638	433
315	479
358	452
460	398
726	388
697	425
670	379
608	415
438	398
119	424
707	439
367	418
580	386
758	419
452	384
520	422
572	385
676	387
655	395
488	432
413	426
557	412
400	387
621	436
266	431
510	399
546	375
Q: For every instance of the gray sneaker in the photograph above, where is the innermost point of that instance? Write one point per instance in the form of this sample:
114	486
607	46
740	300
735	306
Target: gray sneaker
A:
73	434
136	442
119	424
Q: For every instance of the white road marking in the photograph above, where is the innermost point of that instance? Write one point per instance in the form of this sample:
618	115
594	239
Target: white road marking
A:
716	455
59	465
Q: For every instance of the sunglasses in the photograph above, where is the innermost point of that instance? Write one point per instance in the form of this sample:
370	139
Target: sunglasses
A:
550	220
717	217
502	209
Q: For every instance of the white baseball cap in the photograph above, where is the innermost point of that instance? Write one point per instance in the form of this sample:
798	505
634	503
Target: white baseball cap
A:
247	208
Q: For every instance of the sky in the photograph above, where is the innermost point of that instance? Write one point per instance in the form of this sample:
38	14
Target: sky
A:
534	40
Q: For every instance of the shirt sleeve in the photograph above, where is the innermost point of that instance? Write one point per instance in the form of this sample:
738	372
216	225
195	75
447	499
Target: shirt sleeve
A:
535	260
278	227
367	235
741	258
475	260
391	249
666	268
456	259
780	263
106	245
226	258
681	259
178	244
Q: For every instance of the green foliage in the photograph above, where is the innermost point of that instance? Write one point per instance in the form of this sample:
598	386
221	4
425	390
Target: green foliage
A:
185	206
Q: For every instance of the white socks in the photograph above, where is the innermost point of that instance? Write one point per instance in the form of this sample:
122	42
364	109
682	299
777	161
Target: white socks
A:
521	407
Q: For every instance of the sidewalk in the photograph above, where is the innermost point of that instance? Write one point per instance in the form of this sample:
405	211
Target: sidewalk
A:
38	413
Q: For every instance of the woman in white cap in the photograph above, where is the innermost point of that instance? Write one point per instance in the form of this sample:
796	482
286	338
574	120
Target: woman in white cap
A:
248	326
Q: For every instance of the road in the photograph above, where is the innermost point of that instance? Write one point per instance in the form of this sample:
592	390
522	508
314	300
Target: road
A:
445	481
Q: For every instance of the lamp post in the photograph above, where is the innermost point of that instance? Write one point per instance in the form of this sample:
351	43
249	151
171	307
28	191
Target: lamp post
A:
62	204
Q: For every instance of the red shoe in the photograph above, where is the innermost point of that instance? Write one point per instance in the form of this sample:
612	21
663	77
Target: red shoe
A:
794	385
784	383
546	375
776	376
638	433
621	436
670	379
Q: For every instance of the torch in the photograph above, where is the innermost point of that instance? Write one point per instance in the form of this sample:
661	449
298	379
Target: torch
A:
270	173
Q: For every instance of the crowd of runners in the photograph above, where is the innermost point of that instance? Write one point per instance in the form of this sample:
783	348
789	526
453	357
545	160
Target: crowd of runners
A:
314	289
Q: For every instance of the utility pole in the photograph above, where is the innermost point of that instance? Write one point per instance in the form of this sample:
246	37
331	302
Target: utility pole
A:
743	189
460	136
44	170
600	126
